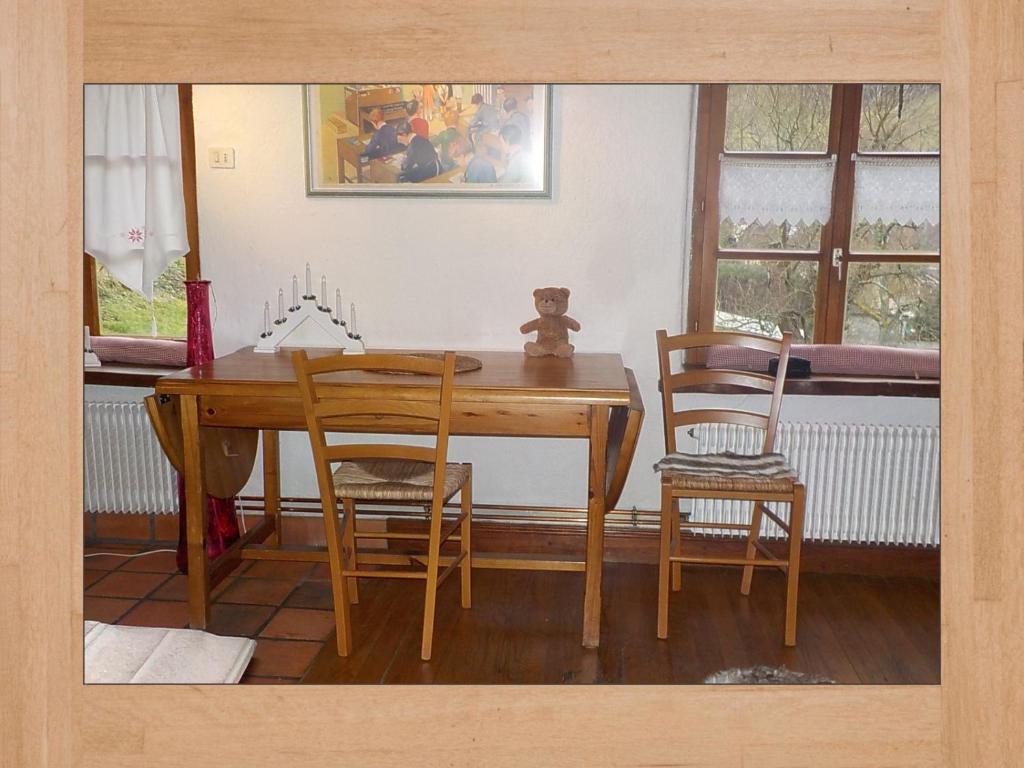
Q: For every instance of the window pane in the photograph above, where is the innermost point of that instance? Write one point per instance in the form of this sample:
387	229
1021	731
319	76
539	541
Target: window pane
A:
899	118
771	236
895	204
777	118
773	203
766	297
868	237
892	304
124	312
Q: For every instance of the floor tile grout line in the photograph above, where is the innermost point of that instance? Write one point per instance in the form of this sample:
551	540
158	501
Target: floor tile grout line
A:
167	577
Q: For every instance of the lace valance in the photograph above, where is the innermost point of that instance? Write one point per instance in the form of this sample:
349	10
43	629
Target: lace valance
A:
776	190
904	190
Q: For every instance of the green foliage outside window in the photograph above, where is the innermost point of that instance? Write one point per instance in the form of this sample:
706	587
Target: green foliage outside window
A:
125	313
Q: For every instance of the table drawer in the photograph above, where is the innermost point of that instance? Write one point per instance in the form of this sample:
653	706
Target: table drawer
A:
510	419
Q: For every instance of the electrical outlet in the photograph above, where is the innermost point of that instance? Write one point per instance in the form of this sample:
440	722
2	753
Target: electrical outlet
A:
222	157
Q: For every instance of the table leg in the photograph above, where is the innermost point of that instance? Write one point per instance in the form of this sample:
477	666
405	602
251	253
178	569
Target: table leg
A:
195	510
595	525
272	484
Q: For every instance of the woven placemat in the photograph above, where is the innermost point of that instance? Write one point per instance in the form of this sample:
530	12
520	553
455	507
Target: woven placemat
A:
463	363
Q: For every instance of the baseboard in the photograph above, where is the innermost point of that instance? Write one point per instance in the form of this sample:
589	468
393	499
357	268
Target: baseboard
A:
624	542
640	545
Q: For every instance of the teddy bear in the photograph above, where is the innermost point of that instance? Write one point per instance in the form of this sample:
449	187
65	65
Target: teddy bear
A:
552	326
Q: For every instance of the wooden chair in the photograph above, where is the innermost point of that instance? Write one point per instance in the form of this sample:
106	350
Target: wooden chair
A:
759	478
385	472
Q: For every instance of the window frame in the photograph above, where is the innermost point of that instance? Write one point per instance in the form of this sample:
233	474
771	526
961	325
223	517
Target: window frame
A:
843	140
90	297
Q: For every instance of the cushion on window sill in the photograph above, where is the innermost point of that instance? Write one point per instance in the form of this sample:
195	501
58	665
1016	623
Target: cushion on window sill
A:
837	359
127	349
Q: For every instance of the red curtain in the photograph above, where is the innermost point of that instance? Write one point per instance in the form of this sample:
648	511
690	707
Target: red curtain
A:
222	524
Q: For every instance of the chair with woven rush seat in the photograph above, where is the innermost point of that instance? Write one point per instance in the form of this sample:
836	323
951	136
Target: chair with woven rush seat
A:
761	478
381	473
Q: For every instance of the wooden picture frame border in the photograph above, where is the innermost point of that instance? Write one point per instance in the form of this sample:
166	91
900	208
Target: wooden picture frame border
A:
425	189
974	48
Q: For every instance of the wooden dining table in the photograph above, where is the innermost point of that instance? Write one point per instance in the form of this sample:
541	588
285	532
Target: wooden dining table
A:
591	396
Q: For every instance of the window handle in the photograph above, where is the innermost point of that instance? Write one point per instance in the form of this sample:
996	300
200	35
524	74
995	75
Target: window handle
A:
837	262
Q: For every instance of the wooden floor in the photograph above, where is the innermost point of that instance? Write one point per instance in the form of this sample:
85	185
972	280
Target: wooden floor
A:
524	627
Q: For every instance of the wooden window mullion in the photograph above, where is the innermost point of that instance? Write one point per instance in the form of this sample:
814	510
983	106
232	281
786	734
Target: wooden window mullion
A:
188	179
90	298
842	215
709	256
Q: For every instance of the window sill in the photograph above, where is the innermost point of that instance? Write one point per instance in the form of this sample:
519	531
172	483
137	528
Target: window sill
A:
126	374
829	384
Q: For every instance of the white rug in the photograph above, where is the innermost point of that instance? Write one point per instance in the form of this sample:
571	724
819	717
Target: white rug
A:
116	654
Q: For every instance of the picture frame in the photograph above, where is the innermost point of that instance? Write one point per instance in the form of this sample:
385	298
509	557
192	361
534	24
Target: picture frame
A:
972	718
460	147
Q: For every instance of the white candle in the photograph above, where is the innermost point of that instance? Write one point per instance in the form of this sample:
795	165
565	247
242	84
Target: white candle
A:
295	290
337	304
352	319
323	290
266	318
280	305
309	281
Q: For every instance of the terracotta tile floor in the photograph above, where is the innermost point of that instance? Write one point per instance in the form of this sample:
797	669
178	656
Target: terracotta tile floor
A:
289	614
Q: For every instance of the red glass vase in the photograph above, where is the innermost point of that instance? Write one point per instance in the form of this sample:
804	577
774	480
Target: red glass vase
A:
222	524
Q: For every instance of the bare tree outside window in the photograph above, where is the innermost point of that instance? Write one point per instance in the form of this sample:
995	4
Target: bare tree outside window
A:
767	297
777	118
899	118
893	304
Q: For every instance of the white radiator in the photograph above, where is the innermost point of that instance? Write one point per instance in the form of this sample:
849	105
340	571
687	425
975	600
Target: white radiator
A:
865	483
125	468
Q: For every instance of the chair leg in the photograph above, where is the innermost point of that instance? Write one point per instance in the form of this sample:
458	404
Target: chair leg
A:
339	584
667	505
466	548
677	547
796	534
348	541
752	538
430	598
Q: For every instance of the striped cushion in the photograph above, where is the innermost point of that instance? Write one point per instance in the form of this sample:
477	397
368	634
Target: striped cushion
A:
395	479
127	349
769	472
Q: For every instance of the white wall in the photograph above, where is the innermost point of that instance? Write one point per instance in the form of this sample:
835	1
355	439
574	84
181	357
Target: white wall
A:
459	273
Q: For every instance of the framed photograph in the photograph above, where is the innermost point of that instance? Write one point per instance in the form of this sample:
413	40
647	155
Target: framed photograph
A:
428	139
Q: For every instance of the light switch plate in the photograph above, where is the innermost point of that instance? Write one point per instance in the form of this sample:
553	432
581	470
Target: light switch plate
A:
222	157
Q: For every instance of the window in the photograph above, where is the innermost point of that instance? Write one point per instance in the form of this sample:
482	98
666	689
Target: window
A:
109	307
122	312
816	211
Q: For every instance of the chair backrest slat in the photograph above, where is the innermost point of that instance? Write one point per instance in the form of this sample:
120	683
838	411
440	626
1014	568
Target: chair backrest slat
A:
688	379
746	379
719	416
329	404
428	366
723	338
336	453
326	409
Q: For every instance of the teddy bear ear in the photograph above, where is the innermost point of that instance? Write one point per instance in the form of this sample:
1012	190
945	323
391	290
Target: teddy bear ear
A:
565	292
537	292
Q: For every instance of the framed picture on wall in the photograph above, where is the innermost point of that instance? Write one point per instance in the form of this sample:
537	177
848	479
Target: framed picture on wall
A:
428	139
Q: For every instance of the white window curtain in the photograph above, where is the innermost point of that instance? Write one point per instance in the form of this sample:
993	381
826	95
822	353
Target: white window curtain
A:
903	190
134	202
776	190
